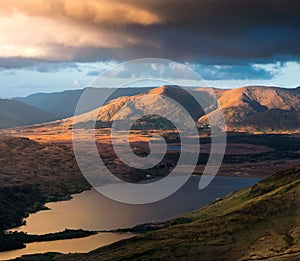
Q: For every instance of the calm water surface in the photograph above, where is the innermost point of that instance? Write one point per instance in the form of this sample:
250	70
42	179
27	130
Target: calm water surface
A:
92	211
80	245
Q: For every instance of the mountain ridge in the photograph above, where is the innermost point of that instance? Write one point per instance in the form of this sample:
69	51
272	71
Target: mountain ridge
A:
248	108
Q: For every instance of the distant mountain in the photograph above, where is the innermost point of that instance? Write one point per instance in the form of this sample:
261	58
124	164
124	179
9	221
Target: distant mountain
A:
63	104
15	113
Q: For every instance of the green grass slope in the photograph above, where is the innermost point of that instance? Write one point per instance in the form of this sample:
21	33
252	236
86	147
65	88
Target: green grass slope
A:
257	223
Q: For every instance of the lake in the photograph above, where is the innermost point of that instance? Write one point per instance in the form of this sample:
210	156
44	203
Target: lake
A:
92	211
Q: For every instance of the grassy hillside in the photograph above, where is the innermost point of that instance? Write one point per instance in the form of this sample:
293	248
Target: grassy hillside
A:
257	223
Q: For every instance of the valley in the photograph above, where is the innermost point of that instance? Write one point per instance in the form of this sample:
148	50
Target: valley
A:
150	130
38	165
267	213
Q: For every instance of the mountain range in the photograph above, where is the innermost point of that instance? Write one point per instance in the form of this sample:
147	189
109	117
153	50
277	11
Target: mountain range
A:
63	104
245	109
251	108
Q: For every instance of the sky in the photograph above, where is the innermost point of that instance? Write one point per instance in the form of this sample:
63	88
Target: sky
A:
48	46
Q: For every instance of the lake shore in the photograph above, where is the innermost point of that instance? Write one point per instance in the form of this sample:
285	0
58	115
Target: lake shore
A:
88	207
18	240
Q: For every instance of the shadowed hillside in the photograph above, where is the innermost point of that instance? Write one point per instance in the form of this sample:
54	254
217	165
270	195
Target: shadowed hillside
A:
14	113
32	174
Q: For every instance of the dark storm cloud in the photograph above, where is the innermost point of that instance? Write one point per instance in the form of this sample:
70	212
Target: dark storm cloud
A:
36	65
46	67
16	62
219	31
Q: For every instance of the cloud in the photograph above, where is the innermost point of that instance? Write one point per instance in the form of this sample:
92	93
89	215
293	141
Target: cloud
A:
238	72
18	62
207	72
93	73
36	65
109	12
44	67
205	31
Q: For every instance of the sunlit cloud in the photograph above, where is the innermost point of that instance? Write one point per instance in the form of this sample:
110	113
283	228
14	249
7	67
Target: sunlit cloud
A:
110	12
48	39
57	30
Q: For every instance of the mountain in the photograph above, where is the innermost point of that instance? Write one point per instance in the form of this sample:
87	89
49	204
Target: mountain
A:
248	109
14	113
259	108
257	223
251	108
153	100
297	90
63	104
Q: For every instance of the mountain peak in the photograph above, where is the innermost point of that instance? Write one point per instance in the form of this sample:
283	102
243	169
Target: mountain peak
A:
162	90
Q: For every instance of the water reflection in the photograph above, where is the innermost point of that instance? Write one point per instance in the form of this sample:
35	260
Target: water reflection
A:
92	211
